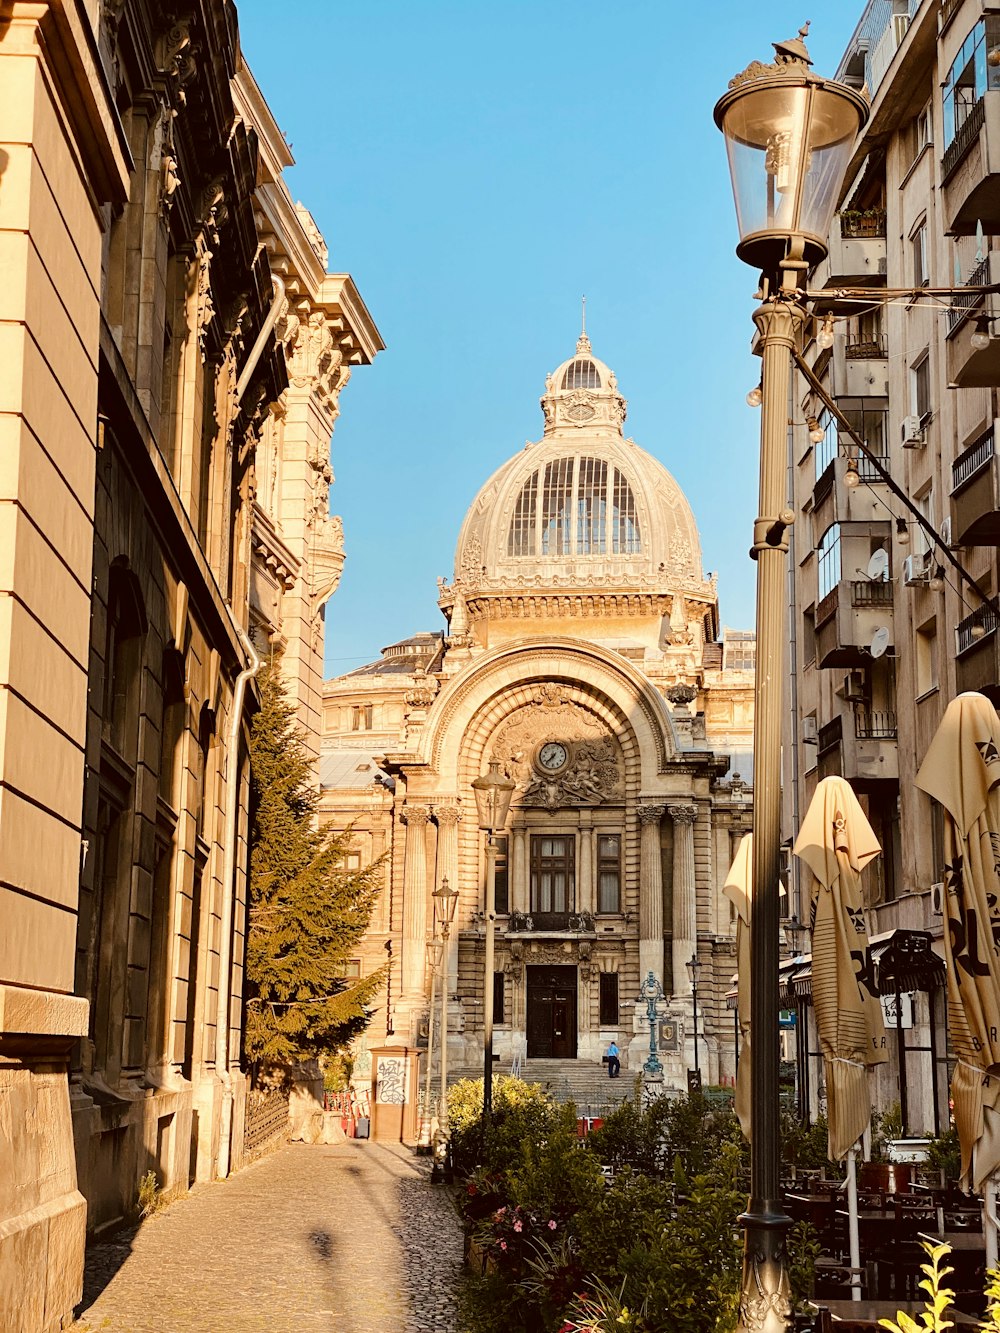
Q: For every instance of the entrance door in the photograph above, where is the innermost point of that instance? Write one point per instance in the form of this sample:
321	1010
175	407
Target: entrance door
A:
552	1013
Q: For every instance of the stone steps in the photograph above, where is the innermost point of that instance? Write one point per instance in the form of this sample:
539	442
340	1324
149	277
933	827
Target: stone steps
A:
578	1081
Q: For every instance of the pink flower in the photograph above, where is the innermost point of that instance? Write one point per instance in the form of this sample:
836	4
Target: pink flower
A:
552	1225
503	1245
517	1226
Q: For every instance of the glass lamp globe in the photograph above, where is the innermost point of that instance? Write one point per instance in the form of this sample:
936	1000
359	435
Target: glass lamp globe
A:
789	136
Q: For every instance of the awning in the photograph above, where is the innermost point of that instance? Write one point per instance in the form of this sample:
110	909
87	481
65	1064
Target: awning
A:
732	996
904	960
789	972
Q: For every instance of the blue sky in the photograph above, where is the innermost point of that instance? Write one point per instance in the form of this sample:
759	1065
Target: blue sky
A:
477	168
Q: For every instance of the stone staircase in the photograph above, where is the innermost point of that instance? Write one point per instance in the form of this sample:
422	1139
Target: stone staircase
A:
578	1081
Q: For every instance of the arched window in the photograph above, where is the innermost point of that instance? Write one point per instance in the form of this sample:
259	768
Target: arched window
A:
828	561
581	507
174	724
581	374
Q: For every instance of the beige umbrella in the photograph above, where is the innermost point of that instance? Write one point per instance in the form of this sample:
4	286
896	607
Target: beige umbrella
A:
737	890
836	842
962	770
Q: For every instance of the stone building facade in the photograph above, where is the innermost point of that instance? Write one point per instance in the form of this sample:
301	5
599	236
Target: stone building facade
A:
155	269
582	652
883	633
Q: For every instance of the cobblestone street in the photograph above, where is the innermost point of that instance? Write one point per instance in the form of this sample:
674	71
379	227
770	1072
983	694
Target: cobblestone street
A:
340	1238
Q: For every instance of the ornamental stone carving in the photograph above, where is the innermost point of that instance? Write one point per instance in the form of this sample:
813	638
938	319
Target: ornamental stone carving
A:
650	814
683	814
447	814
327	559
681	694
591	771
415	815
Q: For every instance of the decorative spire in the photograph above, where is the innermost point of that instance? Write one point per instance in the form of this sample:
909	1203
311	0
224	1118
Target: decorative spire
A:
583	342
794	49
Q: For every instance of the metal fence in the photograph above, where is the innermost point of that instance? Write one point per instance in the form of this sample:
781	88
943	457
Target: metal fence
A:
266	1122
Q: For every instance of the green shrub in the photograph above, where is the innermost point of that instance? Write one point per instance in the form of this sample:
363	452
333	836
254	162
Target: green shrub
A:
520	1111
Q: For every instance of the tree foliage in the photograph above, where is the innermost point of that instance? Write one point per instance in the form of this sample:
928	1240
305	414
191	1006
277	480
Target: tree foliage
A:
307	912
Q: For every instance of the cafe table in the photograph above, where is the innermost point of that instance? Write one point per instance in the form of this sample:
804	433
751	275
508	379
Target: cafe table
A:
859	1315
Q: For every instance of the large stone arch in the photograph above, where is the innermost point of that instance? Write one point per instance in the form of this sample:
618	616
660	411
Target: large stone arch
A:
505	679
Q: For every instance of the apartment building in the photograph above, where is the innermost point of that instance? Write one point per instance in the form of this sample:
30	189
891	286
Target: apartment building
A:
883	631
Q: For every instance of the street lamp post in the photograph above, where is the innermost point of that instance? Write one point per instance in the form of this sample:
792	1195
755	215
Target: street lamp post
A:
692	968
433	963
789	136
445	900
652	992
493	794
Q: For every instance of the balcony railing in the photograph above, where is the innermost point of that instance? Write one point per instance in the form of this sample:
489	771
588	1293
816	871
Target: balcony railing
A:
871	592
860	225
867	470
875	726
949	8
867	349
961	305
581	922
975	627
963	140
972	461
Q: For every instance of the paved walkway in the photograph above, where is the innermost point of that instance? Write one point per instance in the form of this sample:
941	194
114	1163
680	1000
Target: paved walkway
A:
347	1238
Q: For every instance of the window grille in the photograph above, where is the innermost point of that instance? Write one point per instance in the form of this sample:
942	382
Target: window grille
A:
625	532
521	540
592	507
557	498
581	374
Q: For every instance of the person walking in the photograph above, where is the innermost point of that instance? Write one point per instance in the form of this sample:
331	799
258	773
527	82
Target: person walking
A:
614	1063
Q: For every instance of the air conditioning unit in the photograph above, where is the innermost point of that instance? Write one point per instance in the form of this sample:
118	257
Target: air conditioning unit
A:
937	899
809	732
913	433
946	530
916	570
853	687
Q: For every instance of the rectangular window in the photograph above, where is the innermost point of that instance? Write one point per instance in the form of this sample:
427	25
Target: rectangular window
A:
920	388
808	636
625	523
970	76
609	1000
937	840
503	878
609	847
352	861
926	657
592	507
553	873
498	1014
921	266
828	561
351	969
739	650
521	540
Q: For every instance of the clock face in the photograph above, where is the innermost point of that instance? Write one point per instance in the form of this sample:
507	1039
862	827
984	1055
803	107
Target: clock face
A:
552	756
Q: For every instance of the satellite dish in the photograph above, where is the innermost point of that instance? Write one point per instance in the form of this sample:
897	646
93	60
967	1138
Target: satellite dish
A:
880	642
878	566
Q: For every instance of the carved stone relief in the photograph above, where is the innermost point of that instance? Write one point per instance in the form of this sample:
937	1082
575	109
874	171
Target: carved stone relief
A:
592	769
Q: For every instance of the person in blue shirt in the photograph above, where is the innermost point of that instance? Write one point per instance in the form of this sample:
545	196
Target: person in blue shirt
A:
614	1064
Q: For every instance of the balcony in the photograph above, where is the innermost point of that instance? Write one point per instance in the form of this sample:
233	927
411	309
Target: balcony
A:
863	750
550	923
967	367
970	171
865	369
857	249
976	662
847	620
833	502
975	494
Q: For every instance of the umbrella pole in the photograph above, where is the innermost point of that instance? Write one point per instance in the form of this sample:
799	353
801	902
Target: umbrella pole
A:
852	1222
990	1219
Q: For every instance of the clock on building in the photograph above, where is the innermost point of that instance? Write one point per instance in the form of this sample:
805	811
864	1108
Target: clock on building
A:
552	756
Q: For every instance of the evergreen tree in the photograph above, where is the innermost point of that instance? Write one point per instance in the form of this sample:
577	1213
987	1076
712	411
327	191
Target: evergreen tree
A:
307	912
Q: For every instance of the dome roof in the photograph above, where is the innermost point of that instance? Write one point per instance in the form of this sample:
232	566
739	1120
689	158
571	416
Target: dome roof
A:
583	505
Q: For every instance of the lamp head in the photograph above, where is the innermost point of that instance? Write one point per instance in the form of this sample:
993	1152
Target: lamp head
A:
493	794
445	901
789	136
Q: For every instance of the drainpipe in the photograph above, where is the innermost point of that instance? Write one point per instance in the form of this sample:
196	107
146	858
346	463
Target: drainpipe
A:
228	896
262	338
232	801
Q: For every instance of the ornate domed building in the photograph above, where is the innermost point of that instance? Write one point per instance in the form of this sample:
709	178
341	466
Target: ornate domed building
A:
582	653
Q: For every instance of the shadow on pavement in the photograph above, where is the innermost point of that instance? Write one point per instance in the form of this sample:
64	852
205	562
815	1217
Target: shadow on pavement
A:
102	1261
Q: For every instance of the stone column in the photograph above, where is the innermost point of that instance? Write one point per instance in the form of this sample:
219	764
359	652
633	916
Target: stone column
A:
447	817
380	916
685	911
585	901
519	871
650	892
414	904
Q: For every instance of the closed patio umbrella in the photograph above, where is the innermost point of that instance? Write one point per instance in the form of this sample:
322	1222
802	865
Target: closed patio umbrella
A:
836	842
961	770
737	890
